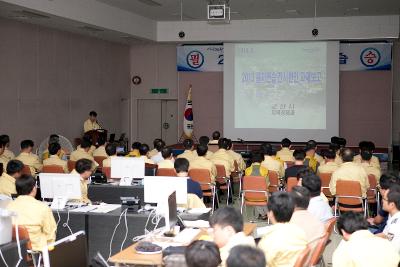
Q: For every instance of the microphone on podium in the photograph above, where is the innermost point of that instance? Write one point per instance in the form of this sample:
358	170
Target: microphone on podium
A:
241	140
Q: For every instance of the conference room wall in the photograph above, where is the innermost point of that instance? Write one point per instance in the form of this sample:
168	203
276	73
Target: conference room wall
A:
396	93
50	80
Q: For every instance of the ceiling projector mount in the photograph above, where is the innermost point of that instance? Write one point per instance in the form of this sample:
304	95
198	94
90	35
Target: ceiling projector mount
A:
218	12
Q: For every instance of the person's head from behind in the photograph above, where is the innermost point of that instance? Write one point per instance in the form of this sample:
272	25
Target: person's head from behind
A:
347	155
363	145
313	183
309	150
101	141
86	144
280	207
181	166
335	147
386	181
365	155
312	143
93	116
136	145
26	186
286	142
54	148
246	256
166	153
226	222
391	201
299	155
301	197
230	143
201	150
5	139
341	142
350	222
27	146
216	135
202	253
144	150
14	168
155	141
84	168
2	148
188	144
223	143
329	155
256	157
159	145
266	149
111	149
203	140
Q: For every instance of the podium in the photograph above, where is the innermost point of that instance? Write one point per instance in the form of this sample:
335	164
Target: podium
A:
96	134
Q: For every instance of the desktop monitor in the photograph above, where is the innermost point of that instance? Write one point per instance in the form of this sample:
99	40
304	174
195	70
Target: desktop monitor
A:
127	167
54	185
120	149
172	210
158	188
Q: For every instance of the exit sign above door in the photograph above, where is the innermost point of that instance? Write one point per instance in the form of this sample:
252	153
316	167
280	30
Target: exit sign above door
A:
159	90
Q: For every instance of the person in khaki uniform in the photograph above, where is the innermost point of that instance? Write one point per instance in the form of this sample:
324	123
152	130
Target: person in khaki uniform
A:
285	153
54	138
204	140
84	168
313	145
101	150
236	156
227	224
168	162
349	171
3	159
144	154
270	162
91	123
111	151
283	242
370	147
329	165
5	139
36	216
222	157
360	247
369	168
82	152
201	162
9	176
188	153
54	151
28	158
216	135
154	151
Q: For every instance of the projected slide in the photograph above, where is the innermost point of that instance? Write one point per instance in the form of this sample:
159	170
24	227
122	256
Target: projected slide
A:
280	85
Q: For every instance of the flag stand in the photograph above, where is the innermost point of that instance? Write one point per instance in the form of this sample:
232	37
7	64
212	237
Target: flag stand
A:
183	137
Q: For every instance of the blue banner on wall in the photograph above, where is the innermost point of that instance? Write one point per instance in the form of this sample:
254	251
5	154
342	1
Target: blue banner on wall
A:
200	58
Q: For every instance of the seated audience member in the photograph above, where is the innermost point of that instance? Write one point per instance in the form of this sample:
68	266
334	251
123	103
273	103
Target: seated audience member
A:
54	151
298	166
88	139
203	140
181	166
311	225
368	166
236	156
370	147
82	152
318	206
84	168
222	157
310	161
256	169
158	157
135	150
28	158
283	242
202	253
391	204
5	139
53	138
111	151
335	147
362	248
10	174
349	171
188	153
36	216
3	159
285	153
313	144
227	223
201	162
144	153
270	161
386	181
101	150
154	151
215	138
168	162
329	165
246	256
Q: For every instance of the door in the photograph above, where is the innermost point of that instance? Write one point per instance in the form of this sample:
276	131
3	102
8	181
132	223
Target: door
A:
157	119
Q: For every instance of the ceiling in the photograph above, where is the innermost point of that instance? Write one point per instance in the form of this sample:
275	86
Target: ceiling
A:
169	10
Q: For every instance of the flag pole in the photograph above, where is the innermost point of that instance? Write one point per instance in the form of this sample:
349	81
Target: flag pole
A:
188	126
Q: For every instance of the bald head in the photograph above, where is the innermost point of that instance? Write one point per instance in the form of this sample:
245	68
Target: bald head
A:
347	155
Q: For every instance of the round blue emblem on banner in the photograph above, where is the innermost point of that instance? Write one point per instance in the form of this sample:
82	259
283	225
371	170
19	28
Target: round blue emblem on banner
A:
195	59
370	57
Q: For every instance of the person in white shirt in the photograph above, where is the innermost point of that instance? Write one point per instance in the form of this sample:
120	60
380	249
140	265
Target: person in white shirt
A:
391	204
159	145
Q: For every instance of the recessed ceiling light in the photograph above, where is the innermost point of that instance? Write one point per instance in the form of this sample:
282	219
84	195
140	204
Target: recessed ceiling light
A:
292	11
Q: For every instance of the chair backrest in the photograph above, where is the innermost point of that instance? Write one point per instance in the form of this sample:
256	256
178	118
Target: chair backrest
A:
273	181
150	169
319	250
71	165
255	183
325	180
350	189
26	170
329	225
107	172
99	160
52	169
291	182
302	258
221	173
23	234
166	172
202	176
372	186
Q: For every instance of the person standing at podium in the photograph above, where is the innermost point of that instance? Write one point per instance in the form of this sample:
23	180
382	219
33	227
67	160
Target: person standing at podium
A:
91	123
